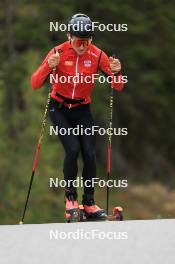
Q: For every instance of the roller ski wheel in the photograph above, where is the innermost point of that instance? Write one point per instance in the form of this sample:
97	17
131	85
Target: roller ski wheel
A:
72	215
117	214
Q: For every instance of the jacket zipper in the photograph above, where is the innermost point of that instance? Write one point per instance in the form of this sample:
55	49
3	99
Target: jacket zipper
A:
76	71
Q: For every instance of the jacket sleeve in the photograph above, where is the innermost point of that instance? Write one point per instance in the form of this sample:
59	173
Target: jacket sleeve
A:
104	66
40	75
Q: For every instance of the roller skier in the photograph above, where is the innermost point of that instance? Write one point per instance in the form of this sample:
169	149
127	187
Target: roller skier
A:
70	106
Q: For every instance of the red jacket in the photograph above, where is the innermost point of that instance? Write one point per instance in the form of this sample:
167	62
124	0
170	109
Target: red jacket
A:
72	64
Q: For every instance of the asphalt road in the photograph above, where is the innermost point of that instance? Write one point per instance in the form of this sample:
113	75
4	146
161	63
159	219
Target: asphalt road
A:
128	242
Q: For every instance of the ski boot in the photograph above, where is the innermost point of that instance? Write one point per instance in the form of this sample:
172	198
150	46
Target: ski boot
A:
72	213
90	211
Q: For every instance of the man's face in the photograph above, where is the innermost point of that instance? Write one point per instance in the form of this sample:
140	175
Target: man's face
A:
80	45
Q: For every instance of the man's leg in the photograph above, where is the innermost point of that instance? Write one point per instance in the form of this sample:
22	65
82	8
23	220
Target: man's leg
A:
70	143
87	143
71	146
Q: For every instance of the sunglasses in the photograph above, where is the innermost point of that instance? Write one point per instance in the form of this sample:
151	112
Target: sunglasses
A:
80	42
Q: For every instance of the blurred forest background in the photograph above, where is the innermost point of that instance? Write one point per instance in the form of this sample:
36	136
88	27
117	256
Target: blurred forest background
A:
146	107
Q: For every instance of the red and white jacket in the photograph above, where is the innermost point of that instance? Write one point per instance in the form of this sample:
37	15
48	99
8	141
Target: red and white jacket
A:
72	64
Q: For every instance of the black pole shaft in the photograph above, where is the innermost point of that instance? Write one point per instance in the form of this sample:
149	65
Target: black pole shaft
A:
28	194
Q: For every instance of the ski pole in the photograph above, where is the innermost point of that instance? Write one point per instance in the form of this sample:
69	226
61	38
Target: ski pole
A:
109	145
35	162
111	102
36	156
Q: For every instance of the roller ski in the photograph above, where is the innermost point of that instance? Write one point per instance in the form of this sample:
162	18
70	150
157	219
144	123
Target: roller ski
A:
117	215
89	211
72	212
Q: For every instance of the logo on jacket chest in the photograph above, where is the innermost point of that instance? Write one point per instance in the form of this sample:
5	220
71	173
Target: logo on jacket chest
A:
87	63
68	63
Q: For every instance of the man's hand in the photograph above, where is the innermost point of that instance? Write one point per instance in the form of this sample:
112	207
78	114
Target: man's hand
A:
53	60
115	65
